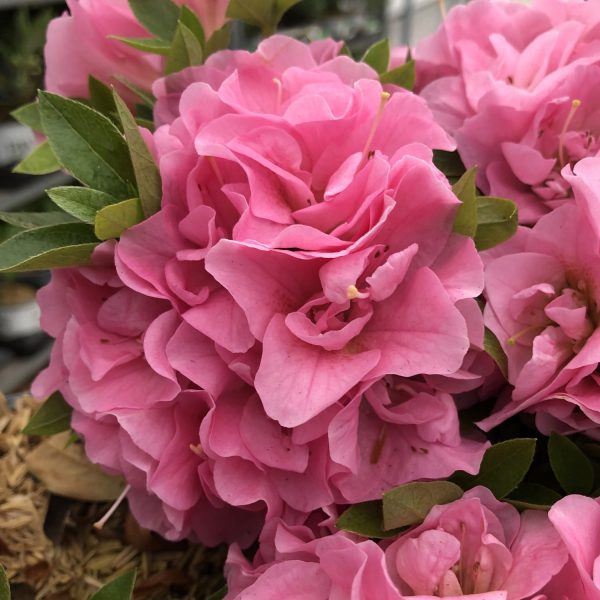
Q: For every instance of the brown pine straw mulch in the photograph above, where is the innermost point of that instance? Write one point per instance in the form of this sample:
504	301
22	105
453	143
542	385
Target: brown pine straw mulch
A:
48	544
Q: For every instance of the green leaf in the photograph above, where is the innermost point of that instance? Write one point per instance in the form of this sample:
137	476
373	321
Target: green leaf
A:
571	467
533	496
410	503
186	50
120	588
219	594
264	14
190	20
82	203
503	467
32	220
88	144
52	417
219	40
492	346
29	115
113	220
150	45
66	245
145	96
4	585
378	56
146	172
101	98
497	221
466	191
40	161
366	519
449	163
159	17
403	76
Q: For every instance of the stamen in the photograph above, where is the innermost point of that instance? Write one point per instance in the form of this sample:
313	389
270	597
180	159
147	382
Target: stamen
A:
279	86
215	167
561	146
197	449
385	96
102	522
512	340
443	12
352	293
378	446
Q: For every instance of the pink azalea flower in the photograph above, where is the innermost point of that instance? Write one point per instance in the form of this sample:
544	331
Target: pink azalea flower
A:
110	362
543	305
90	25
577	520
527	76
477	547
293	562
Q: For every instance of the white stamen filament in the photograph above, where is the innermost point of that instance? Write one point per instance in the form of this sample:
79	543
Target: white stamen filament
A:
385	96
102	522
561	146
279	86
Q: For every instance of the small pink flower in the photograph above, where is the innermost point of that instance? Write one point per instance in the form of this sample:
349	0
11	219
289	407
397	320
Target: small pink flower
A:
474	547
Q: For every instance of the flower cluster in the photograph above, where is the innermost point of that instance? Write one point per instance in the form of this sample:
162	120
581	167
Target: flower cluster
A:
293	311
516	85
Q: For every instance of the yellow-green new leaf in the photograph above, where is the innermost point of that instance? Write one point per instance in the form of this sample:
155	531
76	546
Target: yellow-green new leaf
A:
186	50
378	56
410	503
29	115
466	191
65	245
403	76
497	221
150	45
40	161
113	220
146	172
83	203
120	588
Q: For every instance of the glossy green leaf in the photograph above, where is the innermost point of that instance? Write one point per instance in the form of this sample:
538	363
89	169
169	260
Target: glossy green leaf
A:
186	50
190	20
31	220
264	14
492	346
378	56
403	76
449	163
40	161
159	17
146	172
29	115
53	416
497	221
88	145
410	503
66	245
364	518
465	190
82	203
219	40
503	467
571	467
150	45
120	588
113	220
533	496
4	585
